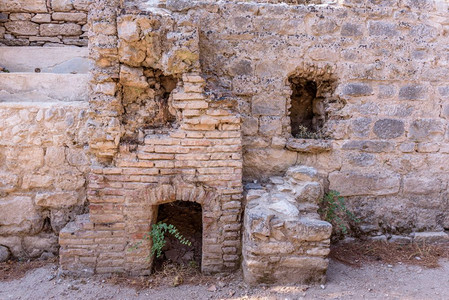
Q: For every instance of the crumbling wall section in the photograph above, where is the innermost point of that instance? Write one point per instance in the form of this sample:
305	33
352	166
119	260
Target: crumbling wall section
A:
43	23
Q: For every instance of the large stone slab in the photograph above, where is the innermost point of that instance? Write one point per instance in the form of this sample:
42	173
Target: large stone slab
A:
28	87
23	6
18	215
358	183
73	60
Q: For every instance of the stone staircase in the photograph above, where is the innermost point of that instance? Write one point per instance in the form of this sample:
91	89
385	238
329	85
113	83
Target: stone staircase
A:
284	240
44	74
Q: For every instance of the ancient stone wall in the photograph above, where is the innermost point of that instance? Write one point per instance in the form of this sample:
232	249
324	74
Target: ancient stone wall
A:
42	174
386	118
43	23
375	73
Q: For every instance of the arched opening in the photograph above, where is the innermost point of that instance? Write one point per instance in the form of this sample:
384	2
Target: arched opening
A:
187	218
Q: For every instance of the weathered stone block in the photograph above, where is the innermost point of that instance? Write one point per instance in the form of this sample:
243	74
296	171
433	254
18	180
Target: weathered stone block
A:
57	199
422	185
66	29
20	17
425	129
18	215
369	146
270	125
33	6
266	105
357	89
22	28
61	5
413	92
8	182
388	128
356	183
381	28
361	126
4	254
69	17
44	242
41	18
309	145
351	30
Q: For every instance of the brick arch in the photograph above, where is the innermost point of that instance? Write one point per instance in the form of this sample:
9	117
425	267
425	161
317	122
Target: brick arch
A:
177	191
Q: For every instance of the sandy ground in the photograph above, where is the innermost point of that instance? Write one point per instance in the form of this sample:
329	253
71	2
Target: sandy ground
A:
375	281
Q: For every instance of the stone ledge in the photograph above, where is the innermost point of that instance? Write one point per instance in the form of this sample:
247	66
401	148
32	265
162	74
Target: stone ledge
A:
309	145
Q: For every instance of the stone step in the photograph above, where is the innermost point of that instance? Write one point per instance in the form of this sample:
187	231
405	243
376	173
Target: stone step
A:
43	87
72	60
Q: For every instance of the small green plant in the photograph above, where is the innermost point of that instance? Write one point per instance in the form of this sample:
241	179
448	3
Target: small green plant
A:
333	209
306	133
157	234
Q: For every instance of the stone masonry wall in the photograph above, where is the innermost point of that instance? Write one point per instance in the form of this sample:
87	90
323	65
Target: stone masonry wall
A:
390	59
197	158
43	23
43	168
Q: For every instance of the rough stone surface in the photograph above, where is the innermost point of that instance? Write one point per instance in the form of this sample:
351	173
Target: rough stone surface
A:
4	254
284	241
377	75
23	24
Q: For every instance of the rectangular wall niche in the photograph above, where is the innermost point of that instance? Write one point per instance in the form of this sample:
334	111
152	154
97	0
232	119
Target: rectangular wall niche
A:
187	218
308	103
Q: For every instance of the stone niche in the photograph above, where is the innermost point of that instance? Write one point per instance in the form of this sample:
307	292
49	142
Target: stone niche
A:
312	102
187	218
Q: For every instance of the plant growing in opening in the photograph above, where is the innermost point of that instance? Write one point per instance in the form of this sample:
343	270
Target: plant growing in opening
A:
333	209
157	234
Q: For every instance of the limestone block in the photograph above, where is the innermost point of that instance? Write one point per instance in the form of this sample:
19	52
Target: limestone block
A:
356	183
8	182
128	30
34	246
69	17
33	6
425	129
380	28
282	242
422	185
61	5
302	173
388	128
66	29
350	29
18	215
369	146
55	156
431	237
133	77
41	18
4	254
20	17
81	4
22	28
308	145
413	92
14	245
357	89
36	181
267	162
57	199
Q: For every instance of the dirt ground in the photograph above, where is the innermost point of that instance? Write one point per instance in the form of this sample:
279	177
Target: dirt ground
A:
358	271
